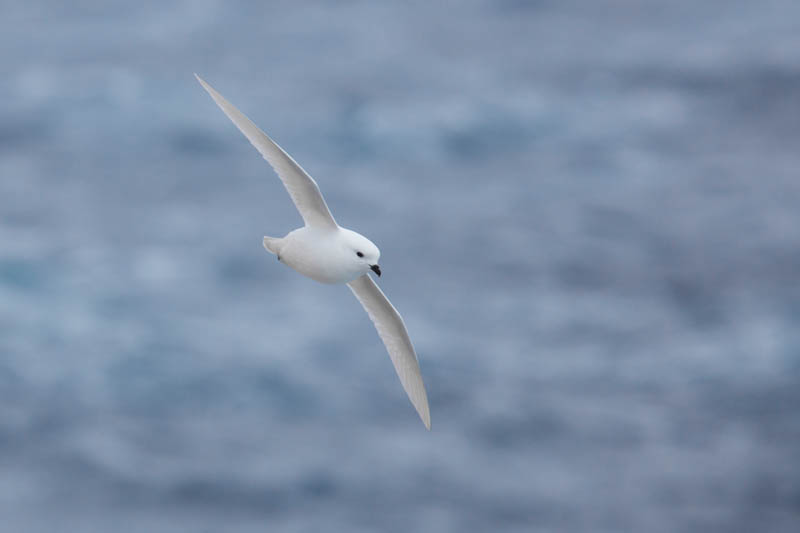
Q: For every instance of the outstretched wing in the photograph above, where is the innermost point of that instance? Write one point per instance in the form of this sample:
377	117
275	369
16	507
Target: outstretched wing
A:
302	187
394	335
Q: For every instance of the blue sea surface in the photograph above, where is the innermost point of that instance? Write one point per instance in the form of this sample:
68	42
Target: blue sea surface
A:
589	217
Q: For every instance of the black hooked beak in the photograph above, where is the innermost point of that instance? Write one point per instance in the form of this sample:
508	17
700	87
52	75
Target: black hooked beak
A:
376	269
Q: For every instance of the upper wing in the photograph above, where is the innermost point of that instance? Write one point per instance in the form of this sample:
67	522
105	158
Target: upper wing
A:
393	332
302	187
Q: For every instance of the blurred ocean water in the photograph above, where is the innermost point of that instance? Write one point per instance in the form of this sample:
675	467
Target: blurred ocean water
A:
588	216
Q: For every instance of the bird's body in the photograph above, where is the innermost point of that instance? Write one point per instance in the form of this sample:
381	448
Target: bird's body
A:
329	253
324	254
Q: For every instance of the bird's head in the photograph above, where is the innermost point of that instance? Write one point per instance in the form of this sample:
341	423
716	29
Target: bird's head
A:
362	251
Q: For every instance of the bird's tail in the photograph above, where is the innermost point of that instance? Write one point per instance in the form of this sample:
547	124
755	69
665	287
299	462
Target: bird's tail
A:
272	244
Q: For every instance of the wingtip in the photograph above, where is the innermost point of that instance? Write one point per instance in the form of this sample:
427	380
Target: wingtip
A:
425	415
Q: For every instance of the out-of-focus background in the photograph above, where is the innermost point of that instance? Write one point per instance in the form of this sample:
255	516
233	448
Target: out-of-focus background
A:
588	214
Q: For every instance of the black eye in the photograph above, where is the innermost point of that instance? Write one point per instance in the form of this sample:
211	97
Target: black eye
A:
359	254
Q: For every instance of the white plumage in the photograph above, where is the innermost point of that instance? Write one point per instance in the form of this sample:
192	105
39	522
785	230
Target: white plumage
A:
326	252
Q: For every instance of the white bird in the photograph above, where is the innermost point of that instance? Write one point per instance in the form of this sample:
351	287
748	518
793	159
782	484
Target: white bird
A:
329	253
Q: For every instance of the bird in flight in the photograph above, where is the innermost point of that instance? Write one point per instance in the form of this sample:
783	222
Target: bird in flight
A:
329	253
